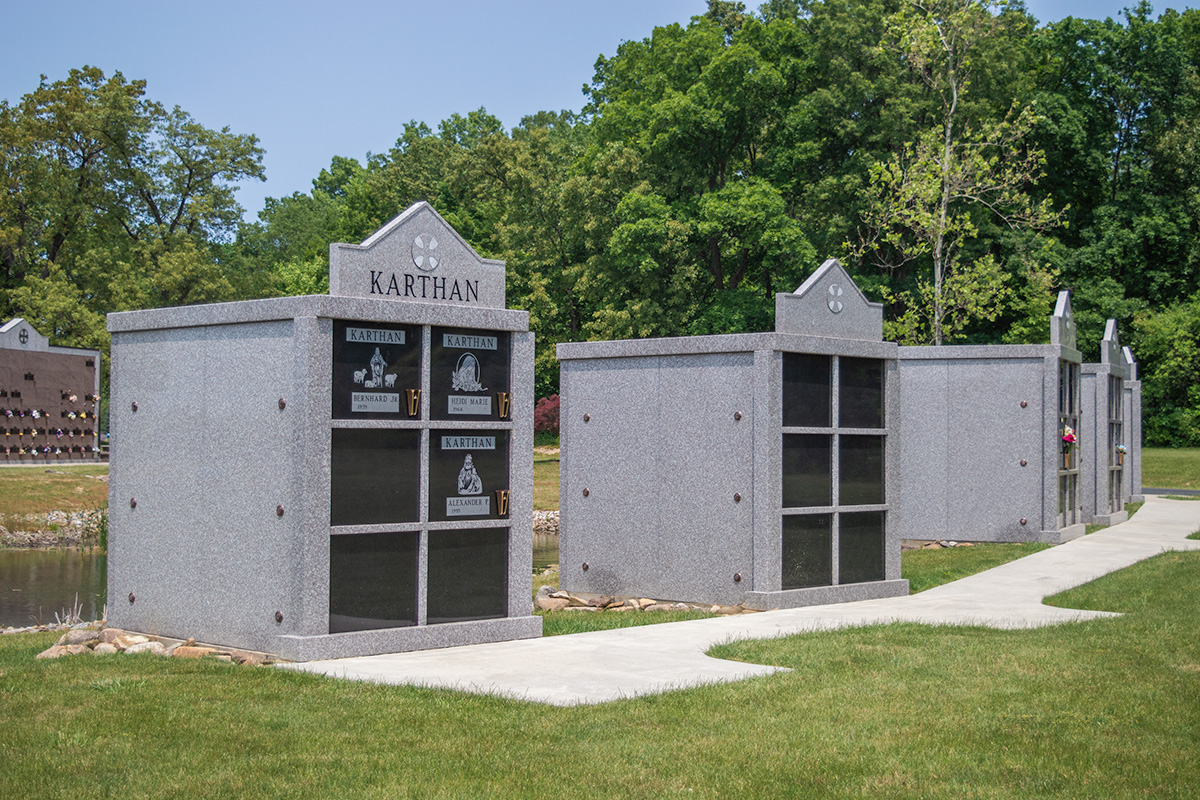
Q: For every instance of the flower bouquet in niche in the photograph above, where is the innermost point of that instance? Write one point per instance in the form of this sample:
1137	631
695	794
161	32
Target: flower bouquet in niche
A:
1121	451
1068	441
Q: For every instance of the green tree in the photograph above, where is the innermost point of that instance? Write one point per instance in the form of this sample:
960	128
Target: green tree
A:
928	197
1167	344
116	195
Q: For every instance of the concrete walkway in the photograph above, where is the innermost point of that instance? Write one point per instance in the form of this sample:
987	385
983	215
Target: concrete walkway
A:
610	665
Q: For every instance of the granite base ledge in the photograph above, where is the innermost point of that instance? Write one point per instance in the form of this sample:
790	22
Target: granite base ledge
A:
404	640
823	595
1064	535
1111	519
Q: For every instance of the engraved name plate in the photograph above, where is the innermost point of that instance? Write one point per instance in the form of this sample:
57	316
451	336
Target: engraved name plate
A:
373	365
467	367
465	470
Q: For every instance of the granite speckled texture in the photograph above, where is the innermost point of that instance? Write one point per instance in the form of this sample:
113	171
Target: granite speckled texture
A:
211	458
671	465
971	415
416	256
1132	408
1099	457
829	304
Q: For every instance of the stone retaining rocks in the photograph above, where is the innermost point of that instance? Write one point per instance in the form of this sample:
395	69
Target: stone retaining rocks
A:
550	599
545	523
111	641
54	529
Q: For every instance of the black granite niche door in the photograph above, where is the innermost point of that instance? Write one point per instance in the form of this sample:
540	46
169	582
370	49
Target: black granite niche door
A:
467	470
468	575
375	364
375	476
373	581
467	369
807	551
807	390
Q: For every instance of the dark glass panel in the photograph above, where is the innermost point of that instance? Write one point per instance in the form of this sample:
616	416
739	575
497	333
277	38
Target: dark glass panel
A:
860	473
466	467
860	547
467	368
806	390
860	398
374	476
373	581
373	364
807	470
807	551
468	575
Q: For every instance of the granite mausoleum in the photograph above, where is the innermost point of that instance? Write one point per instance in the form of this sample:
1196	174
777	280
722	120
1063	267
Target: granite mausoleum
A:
1106	459
331	475
1131	412
990	450
745	468
49	398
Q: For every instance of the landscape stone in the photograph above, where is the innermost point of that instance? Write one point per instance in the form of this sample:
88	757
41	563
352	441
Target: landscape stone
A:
110	635
186	651
54	651
81	636
128	640
154	648
552	603
104	648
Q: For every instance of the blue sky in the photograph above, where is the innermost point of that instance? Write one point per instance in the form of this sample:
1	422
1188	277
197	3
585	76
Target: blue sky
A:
318	79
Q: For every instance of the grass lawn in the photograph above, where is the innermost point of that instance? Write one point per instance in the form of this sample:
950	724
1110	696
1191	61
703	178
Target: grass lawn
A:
926	569
1102	709
545	482
1171	467
54	487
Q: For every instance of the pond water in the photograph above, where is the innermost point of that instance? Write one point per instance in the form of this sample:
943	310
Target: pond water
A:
37	584
545	551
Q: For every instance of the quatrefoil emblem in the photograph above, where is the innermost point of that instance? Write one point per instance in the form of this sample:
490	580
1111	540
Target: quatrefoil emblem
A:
835	304
423	253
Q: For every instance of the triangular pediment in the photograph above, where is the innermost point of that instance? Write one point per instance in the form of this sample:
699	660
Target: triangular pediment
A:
417	257
1130	364
18	334
829	304
1062	324
1110	348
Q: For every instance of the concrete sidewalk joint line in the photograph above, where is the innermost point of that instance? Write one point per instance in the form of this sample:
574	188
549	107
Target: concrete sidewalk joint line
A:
603	666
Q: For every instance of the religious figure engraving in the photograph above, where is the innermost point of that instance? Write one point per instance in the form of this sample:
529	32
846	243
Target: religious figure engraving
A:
378	365
465	377
468	479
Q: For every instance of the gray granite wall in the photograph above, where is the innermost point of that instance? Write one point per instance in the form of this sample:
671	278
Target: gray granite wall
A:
220	489
980	451
671	469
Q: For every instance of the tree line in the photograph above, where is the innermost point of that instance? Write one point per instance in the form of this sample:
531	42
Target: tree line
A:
963	161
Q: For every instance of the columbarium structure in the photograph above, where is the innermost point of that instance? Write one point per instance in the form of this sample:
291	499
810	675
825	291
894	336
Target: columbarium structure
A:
749	468
49	398
330	475
1105	461
1131	409
992	440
